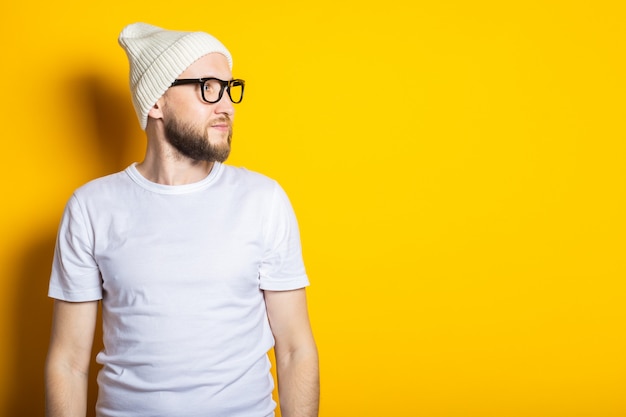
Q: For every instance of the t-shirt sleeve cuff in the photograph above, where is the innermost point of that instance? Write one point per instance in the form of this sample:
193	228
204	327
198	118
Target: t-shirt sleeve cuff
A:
75	296
296	283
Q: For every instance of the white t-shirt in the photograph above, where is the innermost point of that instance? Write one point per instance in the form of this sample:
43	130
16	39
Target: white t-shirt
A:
180	271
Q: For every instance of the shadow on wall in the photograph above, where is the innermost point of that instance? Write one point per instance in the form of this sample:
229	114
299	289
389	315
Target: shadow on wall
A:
110	129
114	131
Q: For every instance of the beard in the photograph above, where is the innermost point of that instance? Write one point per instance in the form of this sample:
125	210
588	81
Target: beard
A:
191	142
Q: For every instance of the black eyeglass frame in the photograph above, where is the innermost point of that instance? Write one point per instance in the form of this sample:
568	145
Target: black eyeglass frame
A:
224	85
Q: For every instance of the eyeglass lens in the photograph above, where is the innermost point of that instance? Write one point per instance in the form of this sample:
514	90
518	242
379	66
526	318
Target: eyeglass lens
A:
213	89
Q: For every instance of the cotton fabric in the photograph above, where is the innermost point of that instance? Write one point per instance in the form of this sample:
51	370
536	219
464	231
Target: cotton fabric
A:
180	271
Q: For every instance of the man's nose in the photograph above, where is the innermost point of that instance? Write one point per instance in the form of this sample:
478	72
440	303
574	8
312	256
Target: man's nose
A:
225	105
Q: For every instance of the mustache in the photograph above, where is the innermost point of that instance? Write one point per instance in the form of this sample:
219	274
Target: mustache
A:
222	120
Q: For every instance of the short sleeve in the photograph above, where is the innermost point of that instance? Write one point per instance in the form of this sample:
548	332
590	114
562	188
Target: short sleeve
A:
282	267
75	274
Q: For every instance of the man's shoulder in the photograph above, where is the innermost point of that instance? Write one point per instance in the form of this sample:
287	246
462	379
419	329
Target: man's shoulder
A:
245	176
102	185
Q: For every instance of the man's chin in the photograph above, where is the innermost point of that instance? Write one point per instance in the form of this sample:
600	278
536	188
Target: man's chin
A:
222	157
221	152
221	147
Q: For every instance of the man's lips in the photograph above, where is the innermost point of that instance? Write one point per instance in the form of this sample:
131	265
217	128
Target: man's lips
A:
221	125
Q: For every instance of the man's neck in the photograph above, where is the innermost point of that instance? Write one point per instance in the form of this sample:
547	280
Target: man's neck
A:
163	165
180	173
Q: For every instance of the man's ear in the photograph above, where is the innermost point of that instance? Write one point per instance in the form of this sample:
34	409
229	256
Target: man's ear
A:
156	110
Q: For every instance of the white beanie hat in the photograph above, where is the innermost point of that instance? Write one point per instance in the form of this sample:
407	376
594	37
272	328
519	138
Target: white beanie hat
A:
158	56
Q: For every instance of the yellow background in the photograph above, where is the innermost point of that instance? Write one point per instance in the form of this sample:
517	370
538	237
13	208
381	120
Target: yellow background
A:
457	167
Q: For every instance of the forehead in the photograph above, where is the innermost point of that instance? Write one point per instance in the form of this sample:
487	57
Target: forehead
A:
210	65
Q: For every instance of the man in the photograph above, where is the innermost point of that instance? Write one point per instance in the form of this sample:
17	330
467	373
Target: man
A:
198	264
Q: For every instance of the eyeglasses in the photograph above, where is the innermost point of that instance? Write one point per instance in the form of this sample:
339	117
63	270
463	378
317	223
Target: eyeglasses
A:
213	88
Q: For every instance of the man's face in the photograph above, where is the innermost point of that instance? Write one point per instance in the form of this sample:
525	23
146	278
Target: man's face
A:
196	129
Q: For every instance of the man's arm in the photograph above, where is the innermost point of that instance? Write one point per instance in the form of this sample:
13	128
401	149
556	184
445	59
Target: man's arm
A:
296	353
69	357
